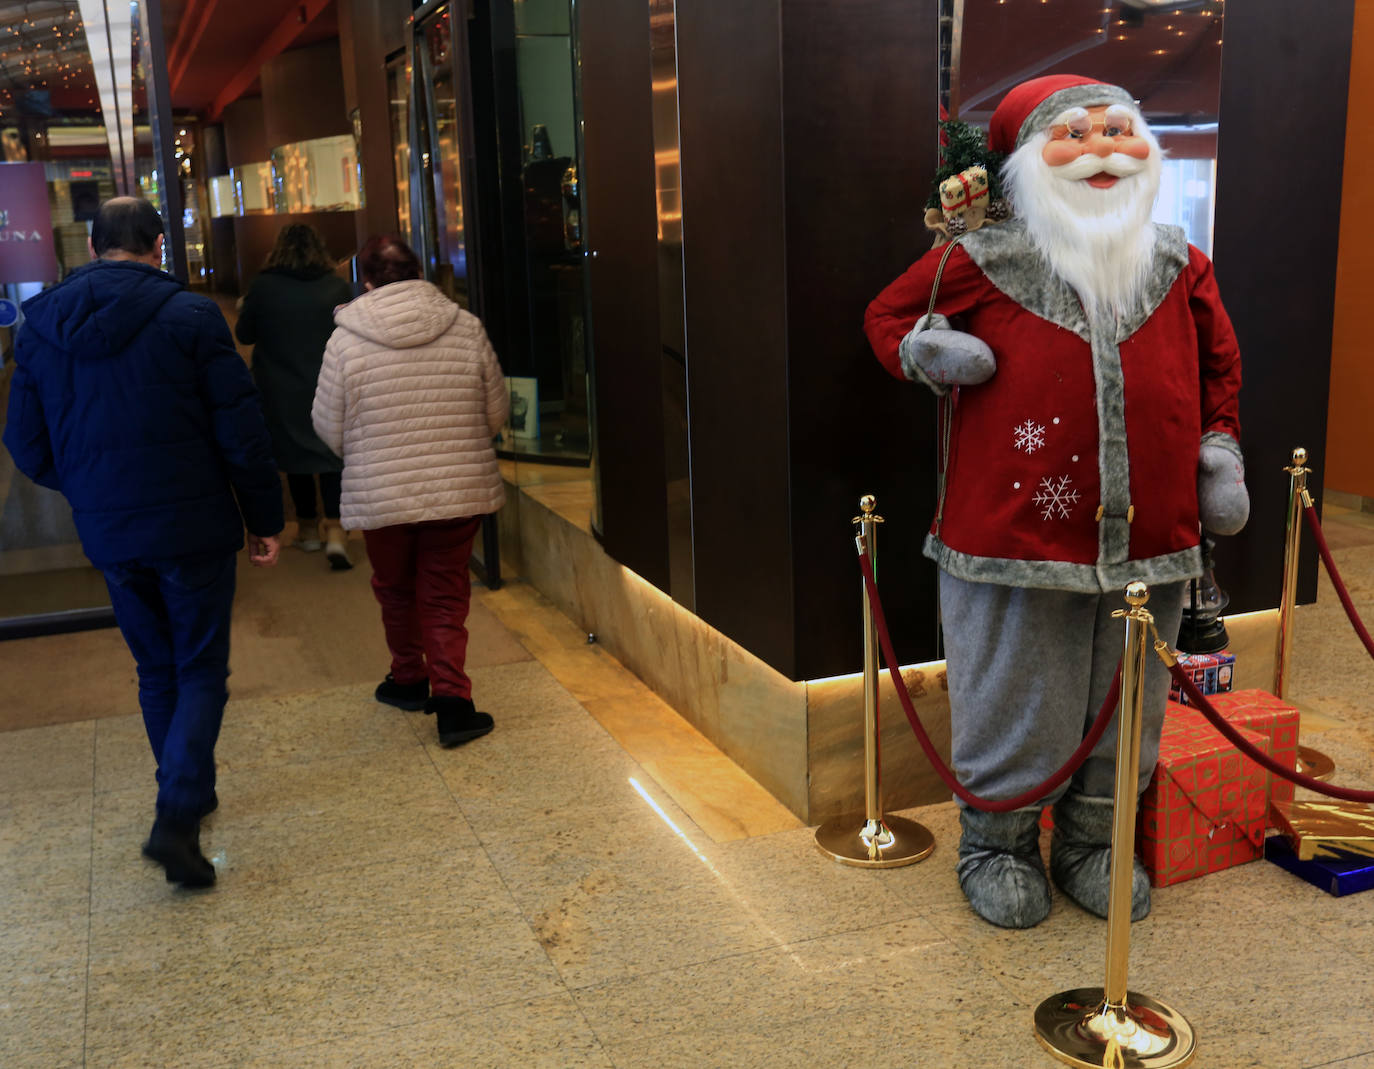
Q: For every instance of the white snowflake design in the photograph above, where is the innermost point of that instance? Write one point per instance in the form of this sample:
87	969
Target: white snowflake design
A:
1055	497
1030	436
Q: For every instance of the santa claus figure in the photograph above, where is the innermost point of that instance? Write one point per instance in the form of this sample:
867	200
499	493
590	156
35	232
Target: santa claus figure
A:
1093	432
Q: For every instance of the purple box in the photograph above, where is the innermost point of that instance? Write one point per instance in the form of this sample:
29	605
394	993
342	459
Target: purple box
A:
1342	875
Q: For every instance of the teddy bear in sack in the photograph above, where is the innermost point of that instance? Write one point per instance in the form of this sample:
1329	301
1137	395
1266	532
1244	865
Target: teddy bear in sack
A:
1093	432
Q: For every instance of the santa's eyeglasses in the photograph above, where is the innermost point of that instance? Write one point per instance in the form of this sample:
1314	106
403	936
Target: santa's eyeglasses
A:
1076	124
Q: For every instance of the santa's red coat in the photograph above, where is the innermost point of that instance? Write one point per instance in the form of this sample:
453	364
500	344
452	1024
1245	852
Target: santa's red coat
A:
1075	466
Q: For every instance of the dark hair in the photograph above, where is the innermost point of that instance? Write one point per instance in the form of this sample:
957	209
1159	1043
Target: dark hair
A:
299	247
385	259
127	224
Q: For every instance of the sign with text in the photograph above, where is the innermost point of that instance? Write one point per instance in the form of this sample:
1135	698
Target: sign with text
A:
27	253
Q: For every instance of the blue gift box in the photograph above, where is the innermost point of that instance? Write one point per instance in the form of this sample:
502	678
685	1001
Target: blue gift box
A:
1341	875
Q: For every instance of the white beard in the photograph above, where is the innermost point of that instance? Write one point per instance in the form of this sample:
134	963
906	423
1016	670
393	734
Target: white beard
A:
1099	241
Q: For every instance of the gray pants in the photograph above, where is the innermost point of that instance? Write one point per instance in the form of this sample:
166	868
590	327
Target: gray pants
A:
1028	672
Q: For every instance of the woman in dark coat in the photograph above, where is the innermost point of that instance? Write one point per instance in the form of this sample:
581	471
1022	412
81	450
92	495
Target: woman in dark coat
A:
287	316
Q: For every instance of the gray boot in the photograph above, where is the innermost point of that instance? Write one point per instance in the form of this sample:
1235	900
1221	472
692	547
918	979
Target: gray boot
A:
1081	856
1000	868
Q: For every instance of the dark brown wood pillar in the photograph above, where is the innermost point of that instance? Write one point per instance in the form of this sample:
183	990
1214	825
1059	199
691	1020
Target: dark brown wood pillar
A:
1284	81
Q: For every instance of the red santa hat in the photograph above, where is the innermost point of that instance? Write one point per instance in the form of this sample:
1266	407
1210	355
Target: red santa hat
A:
1033	105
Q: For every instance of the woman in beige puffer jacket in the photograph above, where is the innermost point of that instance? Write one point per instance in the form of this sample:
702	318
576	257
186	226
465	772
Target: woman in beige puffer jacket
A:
410	394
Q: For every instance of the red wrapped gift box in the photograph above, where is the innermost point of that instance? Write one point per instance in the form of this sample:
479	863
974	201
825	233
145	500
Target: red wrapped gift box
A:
1267	715
1206	806
1211	673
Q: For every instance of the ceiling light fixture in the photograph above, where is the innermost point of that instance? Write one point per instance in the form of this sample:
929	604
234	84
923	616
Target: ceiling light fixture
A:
1174	7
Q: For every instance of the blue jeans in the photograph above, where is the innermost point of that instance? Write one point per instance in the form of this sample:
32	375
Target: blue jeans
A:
174	614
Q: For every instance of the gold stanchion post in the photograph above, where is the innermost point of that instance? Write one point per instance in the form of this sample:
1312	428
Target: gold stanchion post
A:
1311	762
1097	1027
869	839
1297	498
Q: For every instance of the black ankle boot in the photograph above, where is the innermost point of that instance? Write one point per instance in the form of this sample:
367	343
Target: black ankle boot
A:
459	720
176	847
402	695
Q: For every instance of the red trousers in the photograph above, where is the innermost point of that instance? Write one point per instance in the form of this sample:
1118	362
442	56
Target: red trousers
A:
420	577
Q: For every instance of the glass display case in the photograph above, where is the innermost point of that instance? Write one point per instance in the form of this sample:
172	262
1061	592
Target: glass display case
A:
254	188
88	144
222	198
434	127
554	354
319	175
398	93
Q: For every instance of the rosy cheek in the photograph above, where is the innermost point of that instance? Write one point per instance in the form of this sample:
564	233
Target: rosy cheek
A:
1058	153
1133	146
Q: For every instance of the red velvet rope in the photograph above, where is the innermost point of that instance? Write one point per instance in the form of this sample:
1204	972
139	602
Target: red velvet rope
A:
1310	512
1026	798
1197	698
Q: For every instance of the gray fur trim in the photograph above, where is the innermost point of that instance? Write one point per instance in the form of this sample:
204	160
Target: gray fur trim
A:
1006	256
1063	575
1113	457
1171	257
1075	96
1224	440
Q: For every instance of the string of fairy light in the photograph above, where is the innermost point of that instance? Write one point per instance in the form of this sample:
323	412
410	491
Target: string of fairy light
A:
1129	20
43	47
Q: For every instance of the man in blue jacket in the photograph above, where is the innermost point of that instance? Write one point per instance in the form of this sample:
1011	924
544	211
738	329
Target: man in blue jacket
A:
129	397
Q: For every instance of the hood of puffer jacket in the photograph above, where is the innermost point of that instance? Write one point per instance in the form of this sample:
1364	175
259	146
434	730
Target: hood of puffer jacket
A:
400	315
100	307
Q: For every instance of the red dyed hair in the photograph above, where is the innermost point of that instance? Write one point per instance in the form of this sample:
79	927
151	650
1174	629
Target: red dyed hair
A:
385	259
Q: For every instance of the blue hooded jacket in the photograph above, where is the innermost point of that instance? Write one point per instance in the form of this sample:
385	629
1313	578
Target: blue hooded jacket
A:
130	398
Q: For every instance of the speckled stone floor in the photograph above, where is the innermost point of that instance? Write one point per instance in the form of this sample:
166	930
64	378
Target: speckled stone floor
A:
590	885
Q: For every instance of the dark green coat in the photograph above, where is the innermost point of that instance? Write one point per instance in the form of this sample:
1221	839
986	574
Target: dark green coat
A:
287	317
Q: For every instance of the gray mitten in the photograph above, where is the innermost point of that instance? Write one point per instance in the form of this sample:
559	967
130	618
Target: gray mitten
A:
941	357
1222	502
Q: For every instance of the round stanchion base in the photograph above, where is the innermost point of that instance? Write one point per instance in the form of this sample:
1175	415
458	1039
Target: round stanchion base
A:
1314	763
1081	1028
883	844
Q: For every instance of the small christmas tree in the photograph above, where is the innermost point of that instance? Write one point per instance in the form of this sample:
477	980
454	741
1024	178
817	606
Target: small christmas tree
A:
963	146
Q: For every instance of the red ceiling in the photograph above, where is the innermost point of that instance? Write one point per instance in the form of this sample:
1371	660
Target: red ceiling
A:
216	47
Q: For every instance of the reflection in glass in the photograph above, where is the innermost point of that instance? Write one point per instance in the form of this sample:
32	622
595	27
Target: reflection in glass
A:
254	188
222	197
553	355
671	298
319	175
195	201
1168	56
438	115
78	108
398	93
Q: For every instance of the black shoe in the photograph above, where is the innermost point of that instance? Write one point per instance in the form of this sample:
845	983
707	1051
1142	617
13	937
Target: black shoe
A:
403	695
459	721
176	847
210	806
